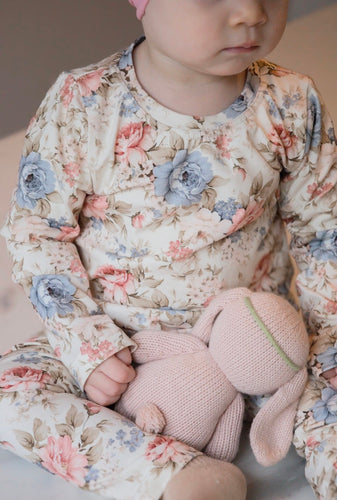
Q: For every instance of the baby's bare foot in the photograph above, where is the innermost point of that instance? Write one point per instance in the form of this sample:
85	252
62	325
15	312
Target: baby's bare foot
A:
207	478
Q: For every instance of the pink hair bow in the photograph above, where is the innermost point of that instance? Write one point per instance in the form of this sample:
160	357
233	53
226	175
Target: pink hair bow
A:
140	6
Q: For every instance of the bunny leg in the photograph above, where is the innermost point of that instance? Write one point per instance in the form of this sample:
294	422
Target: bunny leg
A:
224	443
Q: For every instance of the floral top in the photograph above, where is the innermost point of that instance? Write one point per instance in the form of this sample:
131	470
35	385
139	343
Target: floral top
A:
128	215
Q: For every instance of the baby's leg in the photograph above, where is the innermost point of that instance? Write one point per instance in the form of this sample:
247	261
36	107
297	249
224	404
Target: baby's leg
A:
316	440
45	419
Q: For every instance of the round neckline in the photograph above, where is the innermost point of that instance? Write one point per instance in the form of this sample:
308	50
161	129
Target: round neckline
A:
174	118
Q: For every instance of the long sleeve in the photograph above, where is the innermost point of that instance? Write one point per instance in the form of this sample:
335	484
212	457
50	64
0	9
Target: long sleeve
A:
308	205
42	227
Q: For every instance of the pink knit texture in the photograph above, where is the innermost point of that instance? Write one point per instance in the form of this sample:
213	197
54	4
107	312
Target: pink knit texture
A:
193	392
140	6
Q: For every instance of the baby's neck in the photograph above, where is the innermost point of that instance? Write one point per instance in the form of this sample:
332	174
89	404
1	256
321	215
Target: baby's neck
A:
185	92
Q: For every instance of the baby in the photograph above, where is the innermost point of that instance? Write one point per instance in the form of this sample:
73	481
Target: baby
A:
149	183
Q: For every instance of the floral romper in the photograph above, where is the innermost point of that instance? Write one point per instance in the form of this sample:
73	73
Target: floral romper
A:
128	215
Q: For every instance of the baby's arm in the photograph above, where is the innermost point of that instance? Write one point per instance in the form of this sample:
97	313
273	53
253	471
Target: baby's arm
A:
54	180
308	206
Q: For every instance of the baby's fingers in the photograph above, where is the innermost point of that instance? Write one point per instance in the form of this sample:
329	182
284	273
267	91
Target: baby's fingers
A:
97	395
124	355
117	370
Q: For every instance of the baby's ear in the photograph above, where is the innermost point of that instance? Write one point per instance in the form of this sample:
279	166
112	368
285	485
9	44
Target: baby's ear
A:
272	428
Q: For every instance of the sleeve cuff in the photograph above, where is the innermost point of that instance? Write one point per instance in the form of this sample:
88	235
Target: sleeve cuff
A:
93	340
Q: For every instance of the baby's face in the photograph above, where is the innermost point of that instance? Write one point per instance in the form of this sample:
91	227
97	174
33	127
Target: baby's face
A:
216	37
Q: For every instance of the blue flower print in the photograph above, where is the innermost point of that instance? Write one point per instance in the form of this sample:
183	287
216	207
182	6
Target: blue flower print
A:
57	223
332	135
31	357
328	358
120	435
36	180
90	100
183	180
52	294
227	209
129	106
313	132
324	246
126	58
92	475
290	100
136	440
326	408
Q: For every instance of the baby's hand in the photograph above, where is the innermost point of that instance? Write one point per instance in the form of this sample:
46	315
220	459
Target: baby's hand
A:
331	375
109	380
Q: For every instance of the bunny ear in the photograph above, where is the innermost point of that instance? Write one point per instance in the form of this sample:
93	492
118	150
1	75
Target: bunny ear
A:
272	428
203	327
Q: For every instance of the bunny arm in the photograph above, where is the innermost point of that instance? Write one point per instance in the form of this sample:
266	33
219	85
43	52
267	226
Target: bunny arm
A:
272	428
224	443
203	327
157	344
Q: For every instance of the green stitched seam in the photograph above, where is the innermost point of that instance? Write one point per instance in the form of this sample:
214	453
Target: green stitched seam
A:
269	336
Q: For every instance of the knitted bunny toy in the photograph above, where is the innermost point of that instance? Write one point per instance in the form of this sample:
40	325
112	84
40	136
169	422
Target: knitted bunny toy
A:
190	385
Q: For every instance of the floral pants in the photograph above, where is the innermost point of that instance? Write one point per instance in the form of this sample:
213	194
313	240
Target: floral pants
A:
315	437
45	418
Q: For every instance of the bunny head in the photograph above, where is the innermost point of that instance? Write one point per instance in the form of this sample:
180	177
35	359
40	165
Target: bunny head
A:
259	341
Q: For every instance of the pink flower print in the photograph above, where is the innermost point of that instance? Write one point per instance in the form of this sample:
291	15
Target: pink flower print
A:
72	171
92	408
76	267
132	142
317	192
7	445
64	460
242	172
138	221
95	206
222	143
66	93
208	301
282	139
261	279
117	283
177	251
23	378
68	233
312	444
90	83
164	449
32	228
245	216
31	124
331	307
103	351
